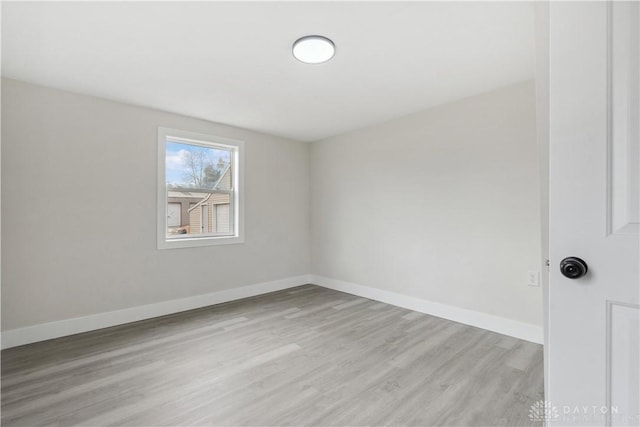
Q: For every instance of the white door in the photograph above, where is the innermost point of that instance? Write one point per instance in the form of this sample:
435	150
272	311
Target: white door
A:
174	215
222	218
593	330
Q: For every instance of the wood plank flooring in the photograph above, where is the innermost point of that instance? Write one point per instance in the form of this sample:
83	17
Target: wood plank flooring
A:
303	356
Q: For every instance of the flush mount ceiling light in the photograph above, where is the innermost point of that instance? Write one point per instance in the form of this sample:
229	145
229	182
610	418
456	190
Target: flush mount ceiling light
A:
313	49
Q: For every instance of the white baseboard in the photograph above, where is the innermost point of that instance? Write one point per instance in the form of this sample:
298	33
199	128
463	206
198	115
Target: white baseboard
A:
478	319
46	331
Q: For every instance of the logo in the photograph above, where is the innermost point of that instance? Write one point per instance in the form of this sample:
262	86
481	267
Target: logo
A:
543	411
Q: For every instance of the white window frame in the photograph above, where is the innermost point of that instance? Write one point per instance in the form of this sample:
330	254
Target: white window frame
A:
237	176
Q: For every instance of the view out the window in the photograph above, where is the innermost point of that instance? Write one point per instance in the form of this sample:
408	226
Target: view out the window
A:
200	189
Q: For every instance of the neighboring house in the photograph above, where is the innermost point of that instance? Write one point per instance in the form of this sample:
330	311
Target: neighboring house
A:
189	209
213	213
179	200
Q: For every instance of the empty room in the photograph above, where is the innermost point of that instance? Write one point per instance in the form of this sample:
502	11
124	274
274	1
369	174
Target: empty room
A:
320	213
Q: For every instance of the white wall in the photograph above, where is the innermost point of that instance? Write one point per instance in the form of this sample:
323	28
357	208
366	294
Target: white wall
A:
442	205
79	210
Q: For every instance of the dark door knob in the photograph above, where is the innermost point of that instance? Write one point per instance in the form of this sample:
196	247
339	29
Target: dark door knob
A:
573	267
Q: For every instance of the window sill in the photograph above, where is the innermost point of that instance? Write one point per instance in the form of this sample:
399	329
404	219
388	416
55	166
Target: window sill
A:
198	242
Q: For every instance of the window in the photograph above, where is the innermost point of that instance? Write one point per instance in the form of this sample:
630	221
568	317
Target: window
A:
199	189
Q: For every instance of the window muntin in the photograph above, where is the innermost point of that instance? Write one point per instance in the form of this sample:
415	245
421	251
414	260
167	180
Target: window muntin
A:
199	195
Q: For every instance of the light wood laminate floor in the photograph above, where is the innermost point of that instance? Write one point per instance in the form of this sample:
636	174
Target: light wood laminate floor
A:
303	356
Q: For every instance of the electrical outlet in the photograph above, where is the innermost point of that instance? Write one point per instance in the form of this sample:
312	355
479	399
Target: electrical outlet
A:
533	278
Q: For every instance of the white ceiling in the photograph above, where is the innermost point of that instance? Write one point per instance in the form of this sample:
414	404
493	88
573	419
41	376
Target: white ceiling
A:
231	62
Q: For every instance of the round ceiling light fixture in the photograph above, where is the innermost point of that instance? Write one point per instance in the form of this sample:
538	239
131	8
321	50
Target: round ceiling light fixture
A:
313	49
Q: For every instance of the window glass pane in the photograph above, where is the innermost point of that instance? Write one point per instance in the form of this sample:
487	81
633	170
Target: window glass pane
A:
199	182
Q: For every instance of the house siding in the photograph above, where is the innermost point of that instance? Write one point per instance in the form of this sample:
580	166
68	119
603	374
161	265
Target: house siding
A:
218	221
225	181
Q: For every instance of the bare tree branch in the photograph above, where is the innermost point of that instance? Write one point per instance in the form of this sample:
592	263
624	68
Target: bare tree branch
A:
196	162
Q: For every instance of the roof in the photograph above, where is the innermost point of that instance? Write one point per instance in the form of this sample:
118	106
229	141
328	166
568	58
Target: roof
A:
177	193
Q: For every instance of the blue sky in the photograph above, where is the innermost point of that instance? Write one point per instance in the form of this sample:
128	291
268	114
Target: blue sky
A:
176	154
